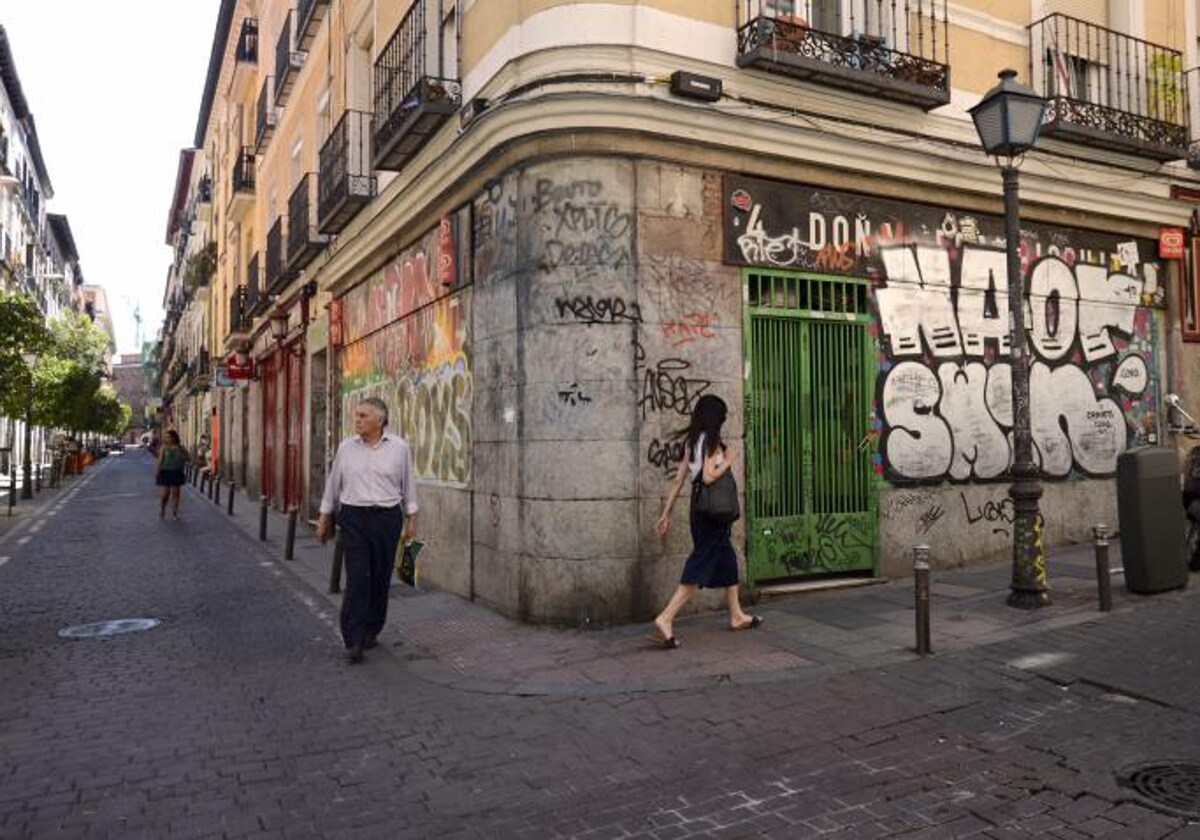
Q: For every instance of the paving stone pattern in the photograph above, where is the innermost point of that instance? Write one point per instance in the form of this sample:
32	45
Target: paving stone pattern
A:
237	716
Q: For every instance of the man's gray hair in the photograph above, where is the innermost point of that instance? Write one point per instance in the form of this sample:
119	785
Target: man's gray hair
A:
377	404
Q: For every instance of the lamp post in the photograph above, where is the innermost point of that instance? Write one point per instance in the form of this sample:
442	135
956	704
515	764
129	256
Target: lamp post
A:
1008	120
31	360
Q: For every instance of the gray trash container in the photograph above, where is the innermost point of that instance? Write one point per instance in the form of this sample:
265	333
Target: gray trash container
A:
1150	507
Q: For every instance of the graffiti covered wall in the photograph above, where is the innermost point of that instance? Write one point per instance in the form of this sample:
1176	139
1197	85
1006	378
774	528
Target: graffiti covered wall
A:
943	408
404	334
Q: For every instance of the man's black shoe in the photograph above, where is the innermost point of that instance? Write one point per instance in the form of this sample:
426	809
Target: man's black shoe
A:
354	655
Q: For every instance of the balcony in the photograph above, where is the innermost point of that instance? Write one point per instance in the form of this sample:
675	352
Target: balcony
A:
245	56
5	167
304	242
199	373
309	15
411	105
288	62
267	115
257	299
239	315
1108	90
871	47
204	198
345	184
277	277
242	181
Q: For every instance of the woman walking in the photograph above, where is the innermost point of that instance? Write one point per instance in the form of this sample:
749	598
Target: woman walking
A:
168	473
712	563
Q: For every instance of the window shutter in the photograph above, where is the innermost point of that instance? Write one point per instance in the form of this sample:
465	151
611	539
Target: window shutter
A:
1092	11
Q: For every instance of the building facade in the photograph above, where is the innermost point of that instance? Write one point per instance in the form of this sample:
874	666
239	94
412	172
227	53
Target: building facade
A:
541	231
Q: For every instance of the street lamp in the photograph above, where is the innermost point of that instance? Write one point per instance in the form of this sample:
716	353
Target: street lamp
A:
1008	119
31	360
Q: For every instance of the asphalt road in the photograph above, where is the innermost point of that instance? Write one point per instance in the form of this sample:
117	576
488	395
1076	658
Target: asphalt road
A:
238	717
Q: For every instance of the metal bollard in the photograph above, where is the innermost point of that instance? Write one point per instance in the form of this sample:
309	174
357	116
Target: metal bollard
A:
195	475
38	482
335	572
921	581
229	508
12	489
217	491
289	547
1103	572
262	518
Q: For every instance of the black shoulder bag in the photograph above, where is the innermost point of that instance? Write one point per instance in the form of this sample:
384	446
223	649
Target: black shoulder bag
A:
719	500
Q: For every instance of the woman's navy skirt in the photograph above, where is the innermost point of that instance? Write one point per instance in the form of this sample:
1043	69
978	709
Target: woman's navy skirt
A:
713	562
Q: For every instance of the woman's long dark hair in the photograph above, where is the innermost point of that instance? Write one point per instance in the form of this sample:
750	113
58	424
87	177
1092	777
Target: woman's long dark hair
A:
708	415
173	437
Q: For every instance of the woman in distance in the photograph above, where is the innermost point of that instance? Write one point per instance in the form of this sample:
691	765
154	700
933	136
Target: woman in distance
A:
712	563
168	472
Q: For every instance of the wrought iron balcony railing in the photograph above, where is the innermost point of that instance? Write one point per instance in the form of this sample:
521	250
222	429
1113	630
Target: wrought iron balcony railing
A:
309	14
275	275
1109	90
257	298
411	104
239	312
288	62
242	180
345	183
247	46
891	49
204	190
266	115
304	242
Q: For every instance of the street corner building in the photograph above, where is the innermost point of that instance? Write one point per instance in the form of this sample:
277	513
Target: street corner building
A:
540	232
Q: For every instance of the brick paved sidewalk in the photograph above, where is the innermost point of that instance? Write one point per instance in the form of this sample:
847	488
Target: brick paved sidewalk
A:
456	643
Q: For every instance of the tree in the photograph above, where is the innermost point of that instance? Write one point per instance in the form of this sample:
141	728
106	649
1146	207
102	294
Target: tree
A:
22	330
75	337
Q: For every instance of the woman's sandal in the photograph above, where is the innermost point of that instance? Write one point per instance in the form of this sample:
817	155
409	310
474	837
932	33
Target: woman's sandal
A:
753	624
664	642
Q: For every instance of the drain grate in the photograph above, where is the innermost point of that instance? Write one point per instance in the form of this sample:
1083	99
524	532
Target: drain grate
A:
1173	786
101	629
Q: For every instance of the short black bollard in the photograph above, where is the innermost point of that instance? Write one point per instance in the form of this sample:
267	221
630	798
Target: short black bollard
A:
289	547
12	489
229	507
921	581
217	492
195	475
335	572
37	487
262	518
213	481
1103	572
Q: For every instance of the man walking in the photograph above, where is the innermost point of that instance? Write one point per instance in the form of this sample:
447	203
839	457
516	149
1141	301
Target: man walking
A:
373	488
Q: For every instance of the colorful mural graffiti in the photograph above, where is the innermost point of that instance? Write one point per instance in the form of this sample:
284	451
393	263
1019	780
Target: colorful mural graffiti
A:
944	406
405	333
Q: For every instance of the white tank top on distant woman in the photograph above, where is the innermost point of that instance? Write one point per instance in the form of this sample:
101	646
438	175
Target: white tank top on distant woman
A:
696	462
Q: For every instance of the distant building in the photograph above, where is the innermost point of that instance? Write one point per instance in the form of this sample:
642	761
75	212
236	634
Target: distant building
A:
130	384
95	306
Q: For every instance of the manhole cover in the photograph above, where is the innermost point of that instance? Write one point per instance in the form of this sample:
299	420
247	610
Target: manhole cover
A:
100	629
1172	785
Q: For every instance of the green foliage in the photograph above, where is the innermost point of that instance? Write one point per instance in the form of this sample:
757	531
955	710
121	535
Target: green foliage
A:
201	266
76	338
22	330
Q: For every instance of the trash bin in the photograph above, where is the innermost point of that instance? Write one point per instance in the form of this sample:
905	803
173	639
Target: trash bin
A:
1150	508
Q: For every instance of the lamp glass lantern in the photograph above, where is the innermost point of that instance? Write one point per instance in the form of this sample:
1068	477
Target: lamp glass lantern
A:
1009	117
279	325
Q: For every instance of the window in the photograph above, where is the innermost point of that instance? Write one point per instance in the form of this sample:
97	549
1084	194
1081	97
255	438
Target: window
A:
1189	300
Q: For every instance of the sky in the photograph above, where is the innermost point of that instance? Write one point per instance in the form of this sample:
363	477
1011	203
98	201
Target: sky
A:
115	90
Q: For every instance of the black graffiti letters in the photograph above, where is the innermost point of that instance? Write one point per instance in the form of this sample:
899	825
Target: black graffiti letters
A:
572	395
666	387
995	513
665	454
606	310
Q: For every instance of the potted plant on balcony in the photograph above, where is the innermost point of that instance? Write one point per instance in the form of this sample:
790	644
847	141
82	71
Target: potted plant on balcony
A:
201	266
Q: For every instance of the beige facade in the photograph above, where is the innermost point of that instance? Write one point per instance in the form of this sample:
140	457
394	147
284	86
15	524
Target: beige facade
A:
540	253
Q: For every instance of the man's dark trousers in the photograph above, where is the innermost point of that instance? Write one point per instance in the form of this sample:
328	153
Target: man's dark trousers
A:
370	537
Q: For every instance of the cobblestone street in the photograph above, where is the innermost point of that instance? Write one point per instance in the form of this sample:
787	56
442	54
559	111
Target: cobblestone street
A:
238	717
